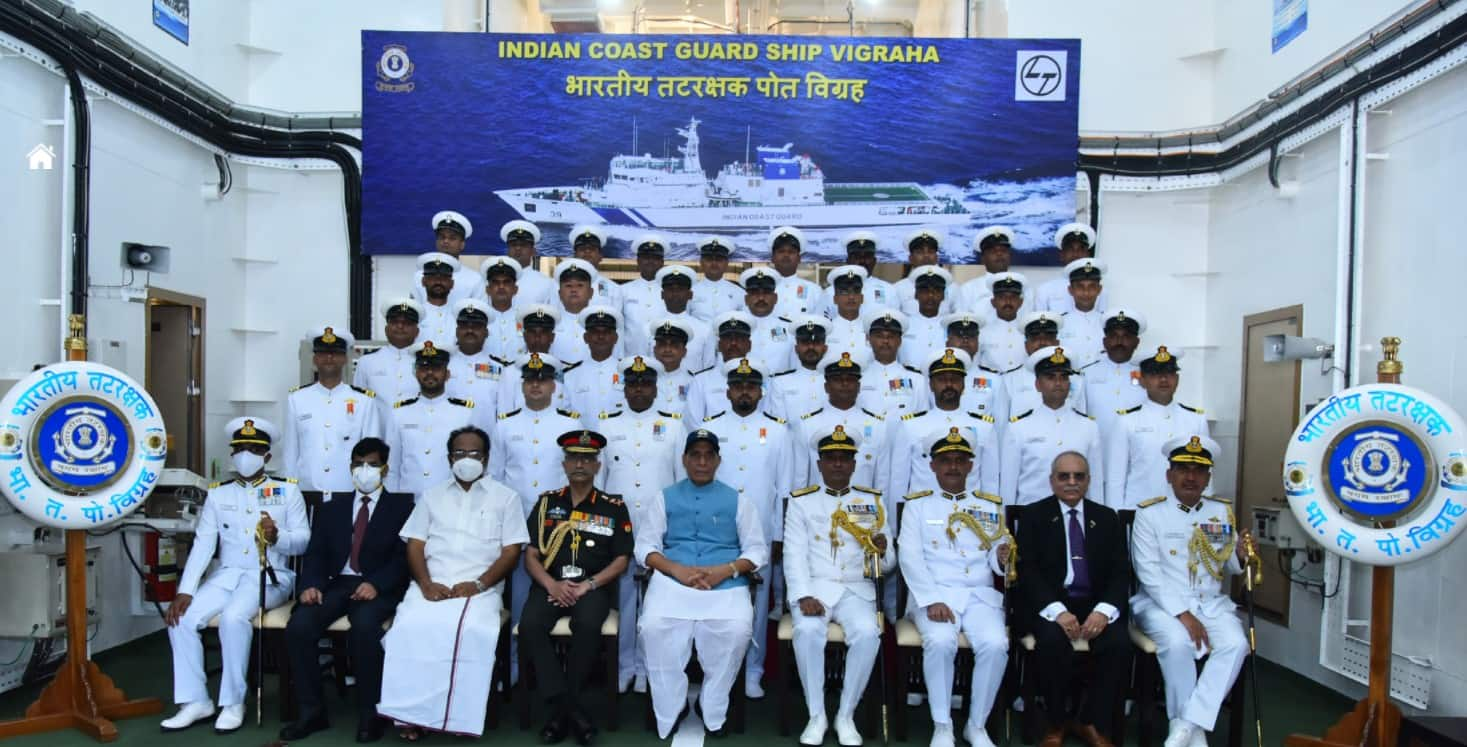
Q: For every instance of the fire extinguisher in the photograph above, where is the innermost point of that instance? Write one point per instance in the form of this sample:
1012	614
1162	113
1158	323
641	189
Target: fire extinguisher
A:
160	563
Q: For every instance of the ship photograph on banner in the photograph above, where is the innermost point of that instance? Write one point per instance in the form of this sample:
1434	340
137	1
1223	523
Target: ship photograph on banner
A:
694	135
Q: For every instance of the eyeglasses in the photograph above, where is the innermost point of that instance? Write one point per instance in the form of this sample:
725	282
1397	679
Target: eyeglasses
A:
466	453
1071	476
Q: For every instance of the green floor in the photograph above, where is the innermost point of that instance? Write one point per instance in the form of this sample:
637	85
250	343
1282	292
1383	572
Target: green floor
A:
1292	704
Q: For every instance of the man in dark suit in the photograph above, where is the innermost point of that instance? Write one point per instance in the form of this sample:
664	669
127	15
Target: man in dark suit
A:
355	565
1074	576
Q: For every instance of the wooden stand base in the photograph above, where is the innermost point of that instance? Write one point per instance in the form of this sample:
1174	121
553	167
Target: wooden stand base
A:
1358	728
83	698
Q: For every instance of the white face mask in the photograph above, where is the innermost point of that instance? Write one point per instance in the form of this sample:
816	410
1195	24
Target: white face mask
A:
247	463
468	469
366	477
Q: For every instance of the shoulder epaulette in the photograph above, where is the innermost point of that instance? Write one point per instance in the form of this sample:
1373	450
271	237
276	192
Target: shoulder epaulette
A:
785	320
406	402
911	415
568	367
714	417
808	489
782	373
614	499
990	370
362	390
509	414
1197	410
569	413
369	352
913	369
1021	416
1151	501
608	415
1224	501
864	489
914	496
1081	414
461	402
549	493
213	485
981	416
878	416
777	420
1011	370
673	415
295	389
703	371
812	414
501	361
1128	411
991	498
282	478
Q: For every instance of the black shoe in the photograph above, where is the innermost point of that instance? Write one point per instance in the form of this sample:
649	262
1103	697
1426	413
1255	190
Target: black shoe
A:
718	733
554	731
304	727
370	730
584	731
679	720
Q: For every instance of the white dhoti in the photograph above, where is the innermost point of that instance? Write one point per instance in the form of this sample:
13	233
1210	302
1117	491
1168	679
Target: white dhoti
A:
674	620
438	661
984	626
857	617
235	597
1188	695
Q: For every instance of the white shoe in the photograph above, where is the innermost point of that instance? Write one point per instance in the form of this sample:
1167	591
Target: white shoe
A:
753	690
942	736
814	733
639	683
188	715
230	719
846	732
977	735
1179	733
1199	737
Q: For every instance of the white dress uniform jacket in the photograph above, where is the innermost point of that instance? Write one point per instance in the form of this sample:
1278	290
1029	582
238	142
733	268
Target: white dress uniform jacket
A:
232	592
912	437
535	287
870	429
467	283
1021	396
1054	295
505	341
594	387
523	453
388	371
1001	344
673	390
713	297
321	427
773	341
894	389
417	434
1081	335
796	389
1109	388
796	296
439	325
641	305
922	336
475	378
1135	468
1033	439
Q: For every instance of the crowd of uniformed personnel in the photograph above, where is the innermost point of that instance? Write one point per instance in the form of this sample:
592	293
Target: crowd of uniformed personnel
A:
701	453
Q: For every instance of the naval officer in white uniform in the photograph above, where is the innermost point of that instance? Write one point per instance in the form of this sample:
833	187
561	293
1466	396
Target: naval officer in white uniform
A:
835	547
418	428
1184	546
237	516
388	370
326	418
1033	438
1135	467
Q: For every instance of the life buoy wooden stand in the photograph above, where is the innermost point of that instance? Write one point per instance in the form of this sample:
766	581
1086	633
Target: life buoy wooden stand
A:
1375	721
81	697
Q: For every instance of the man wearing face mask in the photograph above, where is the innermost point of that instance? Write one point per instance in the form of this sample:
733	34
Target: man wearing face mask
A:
519	237
415	433
581	543
237	515
462	539
325	417
526	458
388	370
438	271
355	565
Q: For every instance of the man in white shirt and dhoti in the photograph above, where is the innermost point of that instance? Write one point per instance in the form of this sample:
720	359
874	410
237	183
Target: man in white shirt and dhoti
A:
462	539
702	539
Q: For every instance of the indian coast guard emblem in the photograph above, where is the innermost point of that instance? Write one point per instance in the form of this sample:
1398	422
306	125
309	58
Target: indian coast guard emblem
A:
395	70
84	442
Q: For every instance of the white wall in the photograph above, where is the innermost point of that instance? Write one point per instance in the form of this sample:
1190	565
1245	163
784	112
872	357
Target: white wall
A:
217	30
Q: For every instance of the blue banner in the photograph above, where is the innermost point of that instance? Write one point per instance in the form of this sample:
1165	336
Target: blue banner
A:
690	135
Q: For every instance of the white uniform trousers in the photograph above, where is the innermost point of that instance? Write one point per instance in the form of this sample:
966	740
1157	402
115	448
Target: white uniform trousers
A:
759	633
1189	696
236	609
720	643
438	661
984	627
857	617
630	661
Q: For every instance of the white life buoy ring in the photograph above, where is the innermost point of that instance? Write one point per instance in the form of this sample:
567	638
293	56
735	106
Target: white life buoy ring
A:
1378	474
81	445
